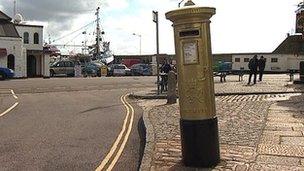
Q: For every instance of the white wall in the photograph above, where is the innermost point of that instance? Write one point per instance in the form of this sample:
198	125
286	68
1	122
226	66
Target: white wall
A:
46	65
283	63
31	30
294	61
14	47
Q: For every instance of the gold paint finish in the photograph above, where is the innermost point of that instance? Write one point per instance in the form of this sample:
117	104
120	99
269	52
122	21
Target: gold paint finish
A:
194	61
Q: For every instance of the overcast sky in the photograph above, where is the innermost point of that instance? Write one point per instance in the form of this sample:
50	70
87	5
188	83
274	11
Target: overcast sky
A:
238	25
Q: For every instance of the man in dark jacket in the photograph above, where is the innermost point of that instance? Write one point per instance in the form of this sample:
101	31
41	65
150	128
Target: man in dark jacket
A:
261	63
253	69
166	68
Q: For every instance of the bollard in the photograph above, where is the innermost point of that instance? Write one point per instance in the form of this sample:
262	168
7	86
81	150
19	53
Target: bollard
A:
198	123
171	94
291	75
302	71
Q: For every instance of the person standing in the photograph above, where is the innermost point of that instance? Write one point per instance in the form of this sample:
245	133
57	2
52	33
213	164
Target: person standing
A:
261	64
253	68
165	69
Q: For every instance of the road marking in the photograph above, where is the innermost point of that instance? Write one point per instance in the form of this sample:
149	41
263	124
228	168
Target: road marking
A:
125	138
9	109
119	137
14	95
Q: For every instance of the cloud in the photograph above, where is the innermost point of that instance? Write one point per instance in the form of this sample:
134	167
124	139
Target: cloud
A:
237	26
60	14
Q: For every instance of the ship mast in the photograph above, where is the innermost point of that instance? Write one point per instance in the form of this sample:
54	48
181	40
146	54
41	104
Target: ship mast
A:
98	33
14	8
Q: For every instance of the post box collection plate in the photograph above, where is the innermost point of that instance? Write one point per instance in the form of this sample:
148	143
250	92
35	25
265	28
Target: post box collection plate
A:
190	52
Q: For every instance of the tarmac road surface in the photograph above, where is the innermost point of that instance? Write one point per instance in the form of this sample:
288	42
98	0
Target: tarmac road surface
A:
73	127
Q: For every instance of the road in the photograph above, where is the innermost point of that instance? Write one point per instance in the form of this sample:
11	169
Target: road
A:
71	124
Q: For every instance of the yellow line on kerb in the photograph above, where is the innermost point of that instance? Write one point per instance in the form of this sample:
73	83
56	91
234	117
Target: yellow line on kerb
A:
119	137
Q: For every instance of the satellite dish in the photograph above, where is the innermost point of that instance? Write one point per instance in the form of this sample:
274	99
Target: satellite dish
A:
18	18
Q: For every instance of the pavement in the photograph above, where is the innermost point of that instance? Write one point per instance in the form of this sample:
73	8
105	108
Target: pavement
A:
260	127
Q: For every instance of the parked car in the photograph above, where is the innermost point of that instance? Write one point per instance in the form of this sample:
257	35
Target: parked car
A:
141	69
92	69
6	73
62	68
118	70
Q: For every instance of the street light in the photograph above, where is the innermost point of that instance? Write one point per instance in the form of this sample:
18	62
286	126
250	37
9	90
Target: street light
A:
155	20
139	42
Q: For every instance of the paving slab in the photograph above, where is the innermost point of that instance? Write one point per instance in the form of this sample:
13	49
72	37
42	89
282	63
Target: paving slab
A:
297	141
256	131
278	160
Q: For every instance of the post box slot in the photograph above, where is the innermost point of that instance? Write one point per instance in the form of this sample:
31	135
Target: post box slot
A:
189	33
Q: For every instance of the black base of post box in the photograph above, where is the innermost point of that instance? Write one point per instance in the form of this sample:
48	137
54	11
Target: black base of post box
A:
200	142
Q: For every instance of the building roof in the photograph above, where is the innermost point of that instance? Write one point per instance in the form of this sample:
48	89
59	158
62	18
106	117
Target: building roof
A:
7	29
293	44
4	16
28	25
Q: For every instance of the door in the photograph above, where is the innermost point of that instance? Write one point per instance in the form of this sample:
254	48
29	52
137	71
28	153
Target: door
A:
31	66
59	68
69	68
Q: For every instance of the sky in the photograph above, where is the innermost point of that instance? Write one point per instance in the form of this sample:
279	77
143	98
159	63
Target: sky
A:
239	26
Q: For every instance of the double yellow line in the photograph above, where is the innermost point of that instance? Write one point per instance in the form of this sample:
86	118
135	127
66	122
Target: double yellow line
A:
116	150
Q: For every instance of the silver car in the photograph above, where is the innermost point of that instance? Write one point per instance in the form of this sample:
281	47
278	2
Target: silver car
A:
62	68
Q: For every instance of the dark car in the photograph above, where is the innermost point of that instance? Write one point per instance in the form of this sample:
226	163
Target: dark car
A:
141	69
92	69
6	73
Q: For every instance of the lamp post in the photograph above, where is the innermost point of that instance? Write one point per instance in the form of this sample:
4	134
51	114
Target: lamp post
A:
155	20
139	42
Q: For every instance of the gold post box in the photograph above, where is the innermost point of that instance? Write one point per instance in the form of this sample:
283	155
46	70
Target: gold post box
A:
199	125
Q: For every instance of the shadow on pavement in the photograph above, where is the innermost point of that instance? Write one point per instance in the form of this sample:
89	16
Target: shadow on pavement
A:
294	102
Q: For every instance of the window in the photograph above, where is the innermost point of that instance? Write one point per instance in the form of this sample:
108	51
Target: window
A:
119	67
68	64
237	60
60	64
246	59
11	62
26	38
36	38
273	60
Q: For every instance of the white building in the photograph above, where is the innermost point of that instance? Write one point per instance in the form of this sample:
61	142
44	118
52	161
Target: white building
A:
21	48
287	56
12	53
274	62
